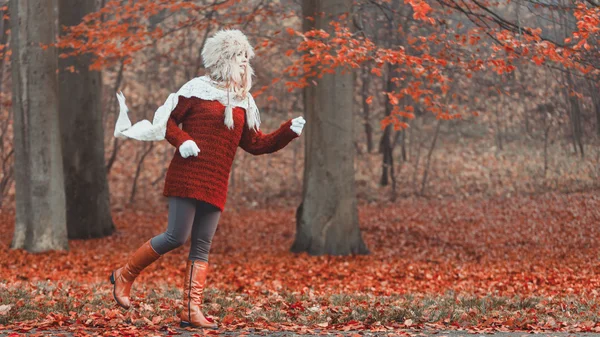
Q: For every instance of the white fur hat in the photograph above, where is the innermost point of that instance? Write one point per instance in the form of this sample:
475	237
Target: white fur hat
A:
218	56
222	47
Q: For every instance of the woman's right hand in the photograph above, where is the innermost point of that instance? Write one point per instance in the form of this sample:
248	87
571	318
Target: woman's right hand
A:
189	148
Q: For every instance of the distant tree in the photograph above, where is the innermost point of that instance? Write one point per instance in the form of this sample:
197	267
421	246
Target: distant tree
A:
86	186
40	223
327	219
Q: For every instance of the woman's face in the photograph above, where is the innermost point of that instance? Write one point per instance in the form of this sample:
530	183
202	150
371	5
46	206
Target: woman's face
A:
241	58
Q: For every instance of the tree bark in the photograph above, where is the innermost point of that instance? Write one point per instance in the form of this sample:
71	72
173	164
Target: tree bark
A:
433	143
594	89
6	147
40	223
327	218
113	102
366	108
385	145
546	136
403	151
575	116
498	123
80	93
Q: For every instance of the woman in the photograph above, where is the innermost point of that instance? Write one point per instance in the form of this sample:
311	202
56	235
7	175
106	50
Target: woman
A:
218	115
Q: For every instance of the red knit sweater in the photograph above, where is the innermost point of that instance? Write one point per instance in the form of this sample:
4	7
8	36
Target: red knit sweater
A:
206	177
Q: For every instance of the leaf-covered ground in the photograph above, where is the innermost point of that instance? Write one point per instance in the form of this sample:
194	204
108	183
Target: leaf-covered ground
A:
521	263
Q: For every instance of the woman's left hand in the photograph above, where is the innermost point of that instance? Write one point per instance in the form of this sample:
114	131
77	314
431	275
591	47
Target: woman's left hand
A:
298	125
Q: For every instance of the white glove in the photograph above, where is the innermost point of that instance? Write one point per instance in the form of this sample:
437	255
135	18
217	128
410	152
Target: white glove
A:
189	148
123	121
298	125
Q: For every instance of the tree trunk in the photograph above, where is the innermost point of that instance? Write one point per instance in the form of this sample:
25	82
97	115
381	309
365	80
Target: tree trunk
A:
546	136
526	116
385	145
113	102
593	86
327	218
597	107
403	151
498	123
433	143
80	93
40	223
366	108
575	116
6	147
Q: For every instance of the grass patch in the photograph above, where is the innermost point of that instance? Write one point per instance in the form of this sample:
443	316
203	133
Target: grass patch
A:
72	301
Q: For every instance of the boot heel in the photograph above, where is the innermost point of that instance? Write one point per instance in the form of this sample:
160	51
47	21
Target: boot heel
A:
184	324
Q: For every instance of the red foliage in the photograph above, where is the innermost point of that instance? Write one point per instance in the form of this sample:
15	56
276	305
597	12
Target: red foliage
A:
544	246
429	62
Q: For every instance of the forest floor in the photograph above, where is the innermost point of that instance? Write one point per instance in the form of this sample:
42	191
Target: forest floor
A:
184	333
524	263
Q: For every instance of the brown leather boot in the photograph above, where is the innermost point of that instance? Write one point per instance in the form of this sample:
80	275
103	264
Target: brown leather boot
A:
123	277
193	288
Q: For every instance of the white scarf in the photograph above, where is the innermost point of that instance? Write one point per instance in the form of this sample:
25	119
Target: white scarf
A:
202	87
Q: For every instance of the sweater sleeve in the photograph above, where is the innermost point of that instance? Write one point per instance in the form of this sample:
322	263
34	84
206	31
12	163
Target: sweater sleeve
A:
256	142
174	134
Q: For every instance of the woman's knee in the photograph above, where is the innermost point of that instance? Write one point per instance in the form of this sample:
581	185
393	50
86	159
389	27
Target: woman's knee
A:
200	250
176	240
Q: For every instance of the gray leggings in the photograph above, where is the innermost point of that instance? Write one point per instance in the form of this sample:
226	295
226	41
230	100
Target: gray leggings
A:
188	215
